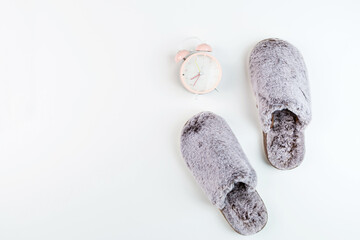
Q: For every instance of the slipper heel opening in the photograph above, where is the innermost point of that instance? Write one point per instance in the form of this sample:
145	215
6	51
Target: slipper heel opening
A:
285	141
244	210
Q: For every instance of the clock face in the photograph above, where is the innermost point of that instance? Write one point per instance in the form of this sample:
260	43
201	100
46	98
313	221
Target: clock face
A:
200	73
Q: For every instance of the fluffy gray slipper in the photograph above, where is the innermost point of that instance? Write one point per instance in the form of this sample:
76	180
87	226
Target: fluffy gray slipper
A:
219	165
280	83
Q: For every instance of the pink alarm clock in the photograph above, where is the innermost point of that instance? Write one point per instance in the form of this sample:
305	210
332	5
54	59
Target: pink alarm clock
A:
200	72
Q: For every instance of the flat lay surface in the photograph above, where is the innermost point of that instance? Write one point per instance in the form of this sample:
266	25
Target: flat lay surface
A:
92	109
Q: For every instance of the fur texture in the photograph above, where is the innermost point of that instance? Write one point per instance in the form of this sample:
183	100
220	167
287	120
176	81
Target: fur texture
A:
245	210
285	141
280	83
218	163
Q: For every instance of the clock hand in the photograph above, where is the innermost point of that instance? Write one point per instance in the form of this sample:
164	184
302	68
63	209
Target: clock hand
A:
196	80
195	76
197	65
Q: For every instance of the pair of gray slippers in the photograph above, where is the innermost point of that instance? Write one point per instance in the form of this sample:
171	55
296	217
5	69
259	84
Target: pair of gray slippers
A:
214	155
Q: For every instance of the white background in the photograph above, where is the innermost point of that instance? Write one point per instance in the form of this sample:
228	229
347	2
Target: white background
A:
91	110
